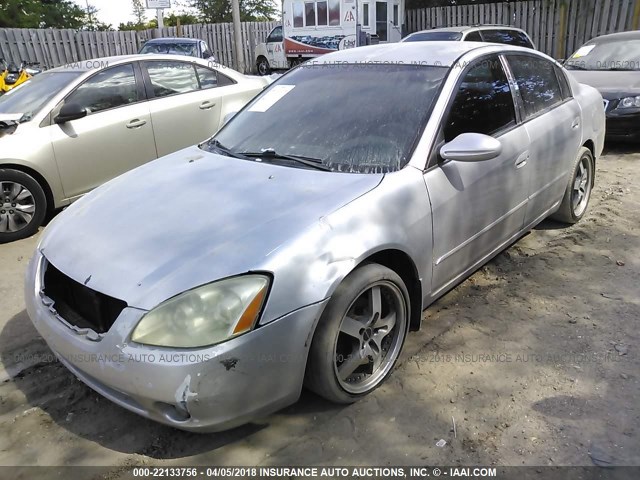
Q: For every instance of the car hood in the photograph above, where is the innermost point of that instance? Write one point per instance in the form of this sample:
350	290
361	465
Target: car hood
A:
189	219
610	84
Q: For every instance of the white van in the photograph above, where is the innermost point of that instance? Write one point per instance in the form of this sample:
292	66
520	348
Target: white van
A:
315	27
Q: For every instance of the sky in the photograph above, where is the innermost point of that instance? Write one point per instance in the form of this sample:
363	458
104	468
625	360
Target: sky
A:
114	12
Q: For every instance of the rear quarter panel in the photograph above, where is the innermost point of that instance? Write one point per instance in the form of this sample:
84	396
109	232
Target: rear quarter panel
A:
593	116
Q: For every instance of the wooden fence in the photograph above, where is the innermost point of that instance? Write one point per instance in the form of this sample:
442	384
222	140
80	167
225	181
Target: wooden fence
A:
557	27
55	47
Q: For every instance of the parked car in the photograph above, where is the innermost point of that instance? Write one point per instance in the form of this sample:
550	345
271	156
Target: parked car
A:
477	33
611	64
191	47
303	241
70	129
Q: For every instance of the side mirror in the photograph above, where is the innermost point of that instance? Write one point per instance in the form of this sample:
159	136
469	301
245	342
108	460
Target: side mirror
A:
471	147
206	54
69	112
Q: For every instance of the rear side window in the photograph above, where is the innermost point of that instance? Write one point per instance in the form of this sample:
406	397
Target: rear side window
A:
483	103
208	78
564	83
473	37
507	37
537	81
171	78
111	88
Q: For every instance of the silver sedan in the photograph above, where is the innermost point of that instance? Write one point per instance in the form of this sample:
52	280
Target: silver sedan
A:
302	242
72	128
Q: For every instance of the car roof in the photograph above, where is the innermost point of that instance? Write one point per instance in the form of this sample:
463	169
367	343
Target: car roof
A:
467	28
617	37
427	53
173	40
104	62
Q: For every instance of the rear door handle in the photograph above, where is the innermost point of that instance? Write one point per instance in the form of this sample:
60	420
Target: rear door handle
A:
207	105
522	159
136	123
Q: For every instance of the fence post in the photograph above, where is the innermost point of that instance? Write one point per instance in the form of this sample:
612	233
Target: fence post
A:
562	32
636	16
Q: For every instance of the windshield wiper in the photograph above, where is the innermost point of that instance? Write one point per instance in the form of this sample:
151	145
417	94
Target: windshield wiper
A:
271	153
226	151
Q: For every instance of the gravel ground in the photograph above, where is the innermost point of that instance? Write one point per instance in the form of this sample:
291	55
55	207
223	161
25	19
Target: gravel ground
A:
535	359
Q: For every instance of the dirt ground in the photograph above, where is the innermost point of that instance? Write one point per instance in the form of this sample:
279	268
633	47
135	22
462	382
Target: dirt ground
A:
535	359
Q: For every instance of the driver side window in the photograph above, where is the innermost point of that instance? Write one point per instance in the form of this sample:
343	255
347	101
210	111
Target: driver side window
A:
275	35
111	88
483	103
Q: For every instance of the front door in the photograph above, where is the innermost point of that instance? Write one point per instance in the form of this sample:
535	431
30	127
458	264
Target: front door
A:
275	49
114	137
478	206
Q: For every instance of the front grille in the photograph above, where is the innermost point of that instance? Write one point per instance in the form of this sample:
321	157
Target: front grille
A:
79	305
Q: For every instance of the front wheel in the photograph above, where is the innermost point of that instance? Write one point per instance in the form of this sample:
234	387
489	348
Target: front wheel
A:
360	335
578	192
23	205
263	66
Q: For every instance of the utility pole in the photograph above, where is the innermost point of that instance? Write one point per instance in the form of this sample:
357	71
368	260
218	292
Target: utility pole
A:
160	19
237	34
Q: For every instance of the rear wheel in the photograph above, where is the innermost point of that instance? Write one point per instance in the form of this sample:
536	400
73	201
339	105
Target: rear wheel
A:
263	66
576	196
360	335
23	205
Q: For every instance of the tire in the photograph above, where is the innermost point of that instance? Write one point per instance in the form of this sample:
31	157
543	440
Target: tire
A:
23	205
263	66
578	192
355	346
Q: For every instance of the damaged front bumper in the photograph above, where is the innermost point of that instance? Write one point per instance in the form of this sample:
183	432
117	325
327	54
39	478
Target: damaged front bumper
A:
206	389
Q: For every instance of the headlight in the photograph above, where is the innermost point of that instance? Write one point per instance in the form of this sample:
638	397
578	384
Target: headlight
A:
629	102
206	315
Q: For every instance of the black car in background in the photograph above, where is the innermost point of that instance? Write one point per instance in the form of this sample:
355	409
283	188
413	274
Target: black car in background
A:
191	47
611	64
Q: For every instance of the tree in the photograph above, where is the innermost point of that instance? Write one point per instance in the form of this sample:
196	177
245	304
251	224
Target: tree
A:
41	14
219	11
139	11
91	21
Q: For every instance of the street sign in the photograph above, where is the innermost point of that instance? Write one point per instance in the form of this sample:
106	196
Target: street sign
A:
155	4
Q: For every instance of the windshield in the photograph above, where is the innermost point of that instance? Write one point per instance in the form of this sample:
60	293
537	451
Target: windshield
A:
357	118
611	55
433	37
171	48
29	98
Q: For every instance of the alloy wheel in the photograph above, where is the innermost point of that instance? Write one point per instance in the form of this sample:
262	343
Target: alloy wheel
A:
581	187
17	207
370	337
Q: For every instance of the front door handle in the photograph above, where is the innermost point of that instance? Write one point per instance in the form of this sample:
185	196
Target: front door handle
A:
522	159
576	123
136	123
207	105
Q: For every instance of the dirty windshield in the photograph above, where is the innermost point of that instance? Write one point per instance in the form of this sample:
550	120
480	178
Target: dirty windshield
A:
368	124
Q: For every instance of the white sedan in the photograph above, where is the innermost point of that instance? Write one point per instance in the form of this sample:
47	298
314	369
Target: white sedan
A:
70	129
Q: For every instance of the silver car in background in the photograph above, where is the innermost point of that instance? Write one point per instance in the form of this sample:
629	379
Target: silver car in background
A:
70	129
304	240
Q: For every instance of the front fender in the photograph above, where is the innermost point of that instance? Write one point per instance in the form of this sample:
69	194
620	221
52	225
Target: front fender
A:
394	216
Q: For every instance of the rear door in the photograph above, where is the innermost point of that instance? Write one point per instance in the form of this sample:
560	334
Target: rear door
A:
184	101
477	206
552	118
114	137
